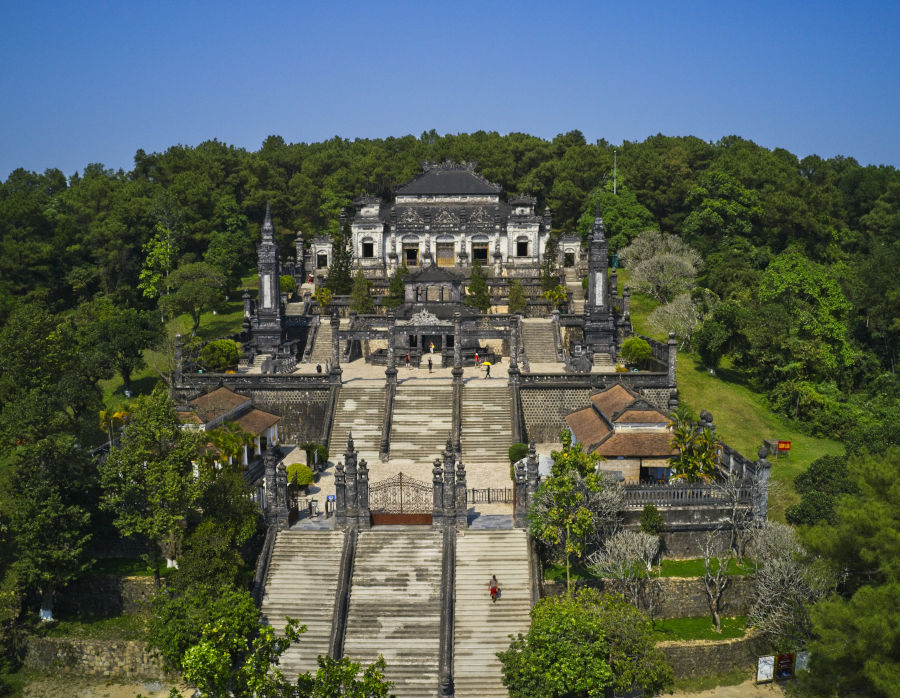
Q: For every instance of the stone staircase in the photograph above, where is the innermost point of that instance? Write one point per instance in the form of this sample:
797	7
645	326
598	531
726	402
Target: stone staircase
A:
322	348
481	628
359	410
538	338
301	583
486	422
422	419
395	606
256	365
603	359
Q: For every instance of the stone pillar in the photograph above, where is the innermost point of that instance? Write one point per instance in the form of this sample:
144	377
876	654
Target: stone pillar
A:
613	283
335	341
281	496
761	485
457	348
176	378
514	341
520	511
462	511
271	486
449	483
340	496
363	516
532	478
673	358
391	371
350	469
626	303
437	482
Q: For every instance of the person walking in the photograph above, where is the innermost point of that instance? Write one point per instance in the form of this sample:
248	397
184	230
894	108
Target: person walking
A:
431	347
476	358
429	364
494	588
487	369
407	360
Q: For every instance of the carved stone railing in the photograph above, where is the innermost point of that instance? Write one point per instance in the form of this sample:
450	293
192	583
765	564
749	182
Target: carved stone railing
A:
262	566
489	495
643	379
448	587
342	595
682	495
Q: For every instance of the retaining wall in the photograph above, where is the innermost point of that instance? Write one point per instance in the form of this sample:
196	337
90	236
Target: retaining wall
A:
707	658
119	659
107	595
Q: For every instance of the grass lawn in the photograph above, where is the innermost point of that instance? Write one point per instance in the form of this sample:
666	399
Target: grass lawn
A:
695	567
125	567
556	572
698	628
742	417
124	627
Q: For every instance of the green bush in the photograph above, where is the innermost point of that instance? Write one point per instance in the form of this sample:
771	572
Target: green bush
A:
288	285
651	520
517	452
220	355
300	474
635	350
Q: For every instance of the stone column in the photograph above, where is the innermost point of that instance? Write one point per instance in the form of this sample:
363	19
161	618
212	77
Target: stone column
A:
462	511
363	516
340	496
613	283
391	371
761	485
350	469
281	496
532	478
457	348
521	497
449	483
514	341
626	303
673	358
437	482
335	341
271	486
176	378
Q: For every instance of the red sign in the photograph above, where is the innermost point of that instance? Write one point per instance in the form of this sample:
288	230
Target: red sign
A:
784	445
784	666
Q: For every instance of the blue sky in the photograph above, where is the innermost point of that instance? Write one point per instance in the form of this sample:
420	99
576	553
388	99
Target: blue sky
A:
93	82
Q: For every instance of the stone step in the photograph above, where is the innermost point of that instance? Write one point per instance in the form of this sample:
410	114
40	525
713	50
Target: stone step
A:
395	606
301	583
486	424
322	348
421	422
539	341
360	411
482	628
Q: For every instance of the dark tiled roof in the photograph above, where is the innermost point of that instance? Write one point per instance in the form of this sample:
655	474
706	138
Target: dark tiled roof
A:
638	445
256	421
433	273
219	402
588	427
448	178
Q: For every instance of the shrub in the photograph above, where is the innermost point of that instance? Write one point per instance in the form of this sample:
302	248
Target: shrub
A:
635	350
300	474
220	355
288	285
517	452
651	520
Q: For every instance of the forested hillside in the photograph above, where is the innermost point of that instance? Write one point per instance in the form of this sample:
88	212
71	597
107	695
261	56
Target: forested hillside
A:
800	255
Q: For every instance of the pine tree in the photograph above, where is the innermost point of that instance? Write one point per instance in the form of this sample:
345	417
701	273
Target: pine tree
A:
478	295
339	279
517	300
360	300
397	289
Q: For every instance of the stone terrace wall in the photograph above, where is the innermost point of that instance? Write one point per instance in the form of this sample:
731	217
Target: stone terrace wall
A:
684	597
696	659
107	595
544	410
122	659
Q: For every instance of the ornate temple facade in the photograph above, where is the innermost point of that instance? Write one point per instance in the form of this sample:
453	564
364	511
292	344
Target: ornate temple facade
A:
448	216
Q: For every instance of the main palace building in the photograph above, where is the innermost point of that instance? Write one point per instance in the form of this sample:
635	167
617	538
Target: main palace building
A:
449	216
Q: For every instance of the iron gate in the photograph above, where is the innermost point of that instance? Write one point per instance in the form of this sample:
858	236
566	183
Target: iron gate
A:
401	500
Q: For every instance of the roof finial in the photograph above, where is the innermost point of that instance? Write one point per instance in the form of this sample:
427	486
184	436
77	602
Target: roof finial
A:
268	232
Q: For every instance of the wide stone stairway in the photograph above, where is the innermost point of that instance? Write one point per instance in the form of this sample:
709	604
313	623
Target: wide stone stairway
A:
481	628
301	583
422	419
395	606
359	410
538	337
322	348
486	422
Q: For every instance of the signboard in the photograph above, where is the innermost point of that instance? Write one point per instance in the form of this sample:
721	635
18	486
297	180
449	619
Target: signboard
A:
784	445
802	663
784	666
765	669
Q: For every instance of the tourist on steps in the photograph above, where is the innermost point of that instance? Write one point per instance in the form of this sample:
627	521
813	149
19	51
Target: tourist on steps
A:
495	588
429	364
487	368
